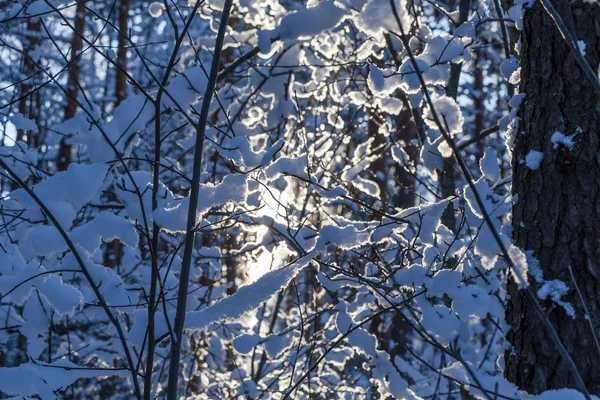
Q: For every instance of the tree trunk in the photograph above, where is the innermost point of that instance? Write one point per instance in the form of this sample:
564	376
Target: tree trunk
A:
114	249
27	105
448	174
406	130
65	149
557	212
121	78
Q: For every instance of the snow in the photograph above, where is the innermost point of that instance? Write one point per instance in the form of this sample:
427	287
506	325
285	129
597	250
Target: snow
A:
38	7
444	49
345	238
367	186
414	275
288	166
449	114
489	165
400	156
247	298
377	17
246	343
78	185
44	240
439	321
20	121
41	379
376	79
466	29
105	226
486	196
108	282
35	317
520	270
233	188
288	179
556	289
508	67
64	298
516	101
430	156
16	283
410	79
302	24
533	159
581	47
445	281
559	138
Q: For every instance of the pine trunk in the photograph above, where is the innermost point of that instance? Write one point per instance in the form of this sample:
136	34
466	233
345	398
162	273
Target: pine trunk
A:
114	249
65	149
557	210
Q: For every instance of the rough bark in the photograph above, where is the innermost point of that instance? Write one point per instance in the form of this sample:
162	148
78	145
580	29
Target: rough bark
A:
557	212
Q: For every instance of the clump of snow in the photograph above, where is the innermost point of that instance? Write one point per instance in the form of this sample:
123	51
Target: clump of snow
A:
581	46
106	226
508	67
377	17
78	185
533	159
448	112
246	343
376	79
555	289
20	122
38	7
409	77
344	238
44	380
302	24
516	101
521	266
173	217
559	138
466	29
489	165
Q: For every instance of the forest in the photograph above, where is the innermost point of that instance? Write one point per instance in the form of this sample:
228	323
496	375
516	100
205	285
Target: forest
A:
300	199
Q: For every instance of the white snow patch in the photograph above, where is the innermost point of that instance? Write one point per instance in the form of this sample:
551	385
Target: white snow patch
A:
26	124
559	138
533	159
555	289
581	46
449	114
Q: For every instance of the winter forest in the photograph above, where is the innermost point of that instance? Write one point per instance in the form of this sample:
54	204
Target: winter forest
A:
300	199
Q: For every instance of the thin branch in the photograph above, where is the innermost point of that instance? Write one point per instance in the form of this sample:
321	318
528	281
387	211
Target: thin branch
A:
193	205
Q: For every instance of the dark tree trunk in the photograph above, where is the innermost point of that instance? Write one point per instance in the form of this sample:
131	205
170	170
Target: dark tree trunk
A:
478	99
65	149
406	131
27	104
114	249
121	78
557	213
